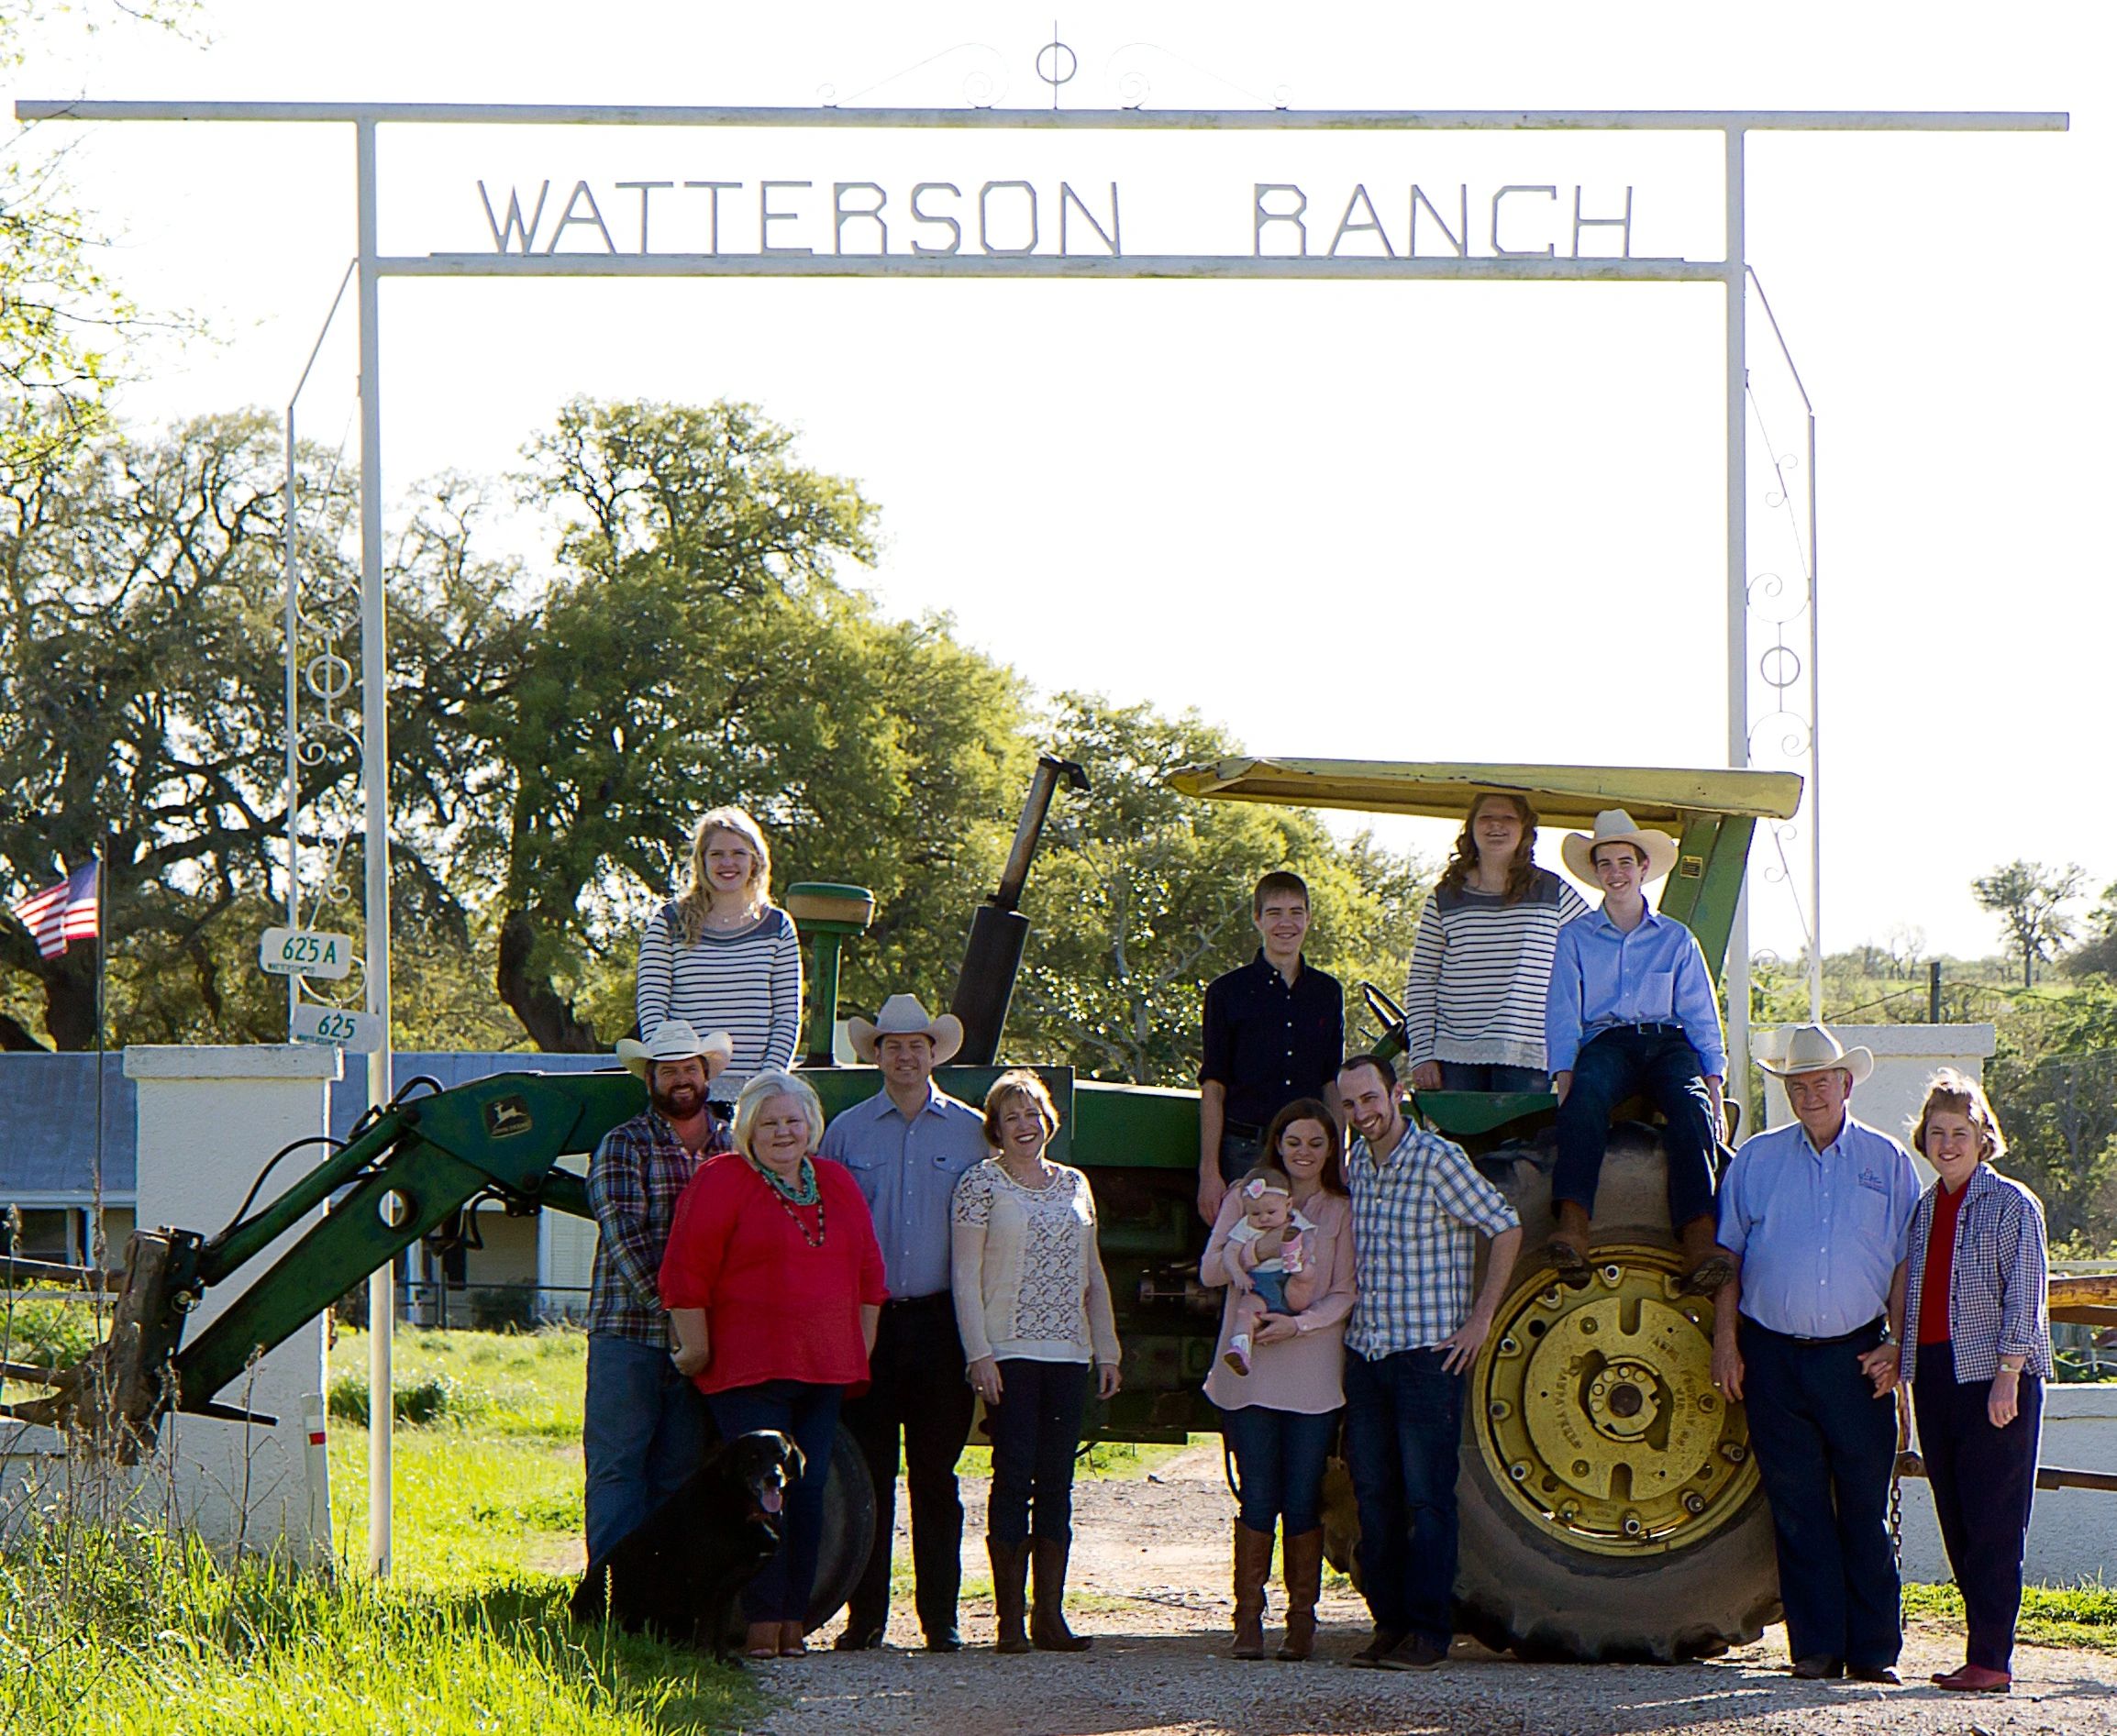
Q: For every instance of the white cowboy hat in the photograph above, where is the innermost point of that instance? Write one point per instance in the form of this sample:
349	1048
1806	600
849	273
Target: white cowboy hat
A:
903	1016
1813	1049
673	1040
1614	826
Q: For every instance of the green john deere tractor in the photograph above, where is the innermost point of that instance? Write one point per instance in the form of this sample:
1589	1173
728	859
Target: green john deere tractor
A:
1610	1507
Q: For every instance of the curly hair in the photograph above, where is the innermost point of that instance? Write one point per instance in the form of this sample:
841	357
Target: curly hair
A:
1521	866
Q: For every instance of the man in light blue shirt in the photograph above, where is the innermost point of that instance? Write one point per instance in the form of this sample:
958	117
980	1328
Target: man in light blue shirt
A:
1632	1009
906	1147
1816	1213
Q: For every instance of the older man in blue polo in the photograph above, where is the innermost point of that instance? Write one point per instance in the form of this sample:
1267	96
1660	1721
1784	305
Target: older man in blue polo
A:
1815	1214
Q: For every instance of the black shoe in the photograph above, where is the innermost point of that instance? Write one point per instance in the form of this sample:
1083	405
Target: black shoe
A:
1873	1673
859	1639
1417	1652
948	1642
1369	1657
1818	1666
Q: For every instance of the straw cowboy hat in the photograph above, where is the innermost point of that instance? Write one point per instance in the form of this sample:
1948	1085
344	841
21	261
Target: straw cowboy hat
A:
903	1016
1614	826
1813	1049
673	1040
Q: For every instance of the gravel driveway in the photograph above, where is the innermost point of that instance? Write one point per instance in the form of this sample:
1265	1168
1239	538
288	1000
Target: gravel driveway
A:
1150	1577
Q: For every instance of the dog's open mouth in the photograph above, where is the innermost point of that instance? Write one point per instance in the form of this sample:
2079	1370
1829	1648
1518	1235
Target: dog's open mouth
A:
770	1500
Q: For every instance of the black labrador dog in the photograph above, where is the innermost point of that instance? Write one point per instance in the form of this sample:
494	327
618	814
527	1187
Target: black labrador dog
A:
681	1571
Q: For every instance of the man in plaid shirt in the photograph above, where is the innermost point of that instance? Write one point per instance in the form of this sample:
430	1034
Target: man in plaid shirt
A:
1418	1208
644	1432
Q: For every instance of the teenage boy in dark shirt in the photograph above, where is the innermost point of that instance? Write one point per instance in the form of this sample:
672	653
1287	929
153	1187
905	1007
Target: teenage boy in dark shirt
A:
1274	1031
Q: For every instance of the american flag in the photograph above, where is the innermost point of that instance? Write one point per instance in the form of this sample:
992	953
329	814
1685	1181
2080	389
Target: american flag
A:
62	912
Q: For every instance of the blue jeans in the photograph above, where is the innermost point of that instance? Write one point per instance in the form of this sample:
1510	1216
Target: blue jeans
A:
1824	1447
1491	1075
642	1436
1404	1420
1270	1289
810	1414
1279	1460
1615	1065
1035	1429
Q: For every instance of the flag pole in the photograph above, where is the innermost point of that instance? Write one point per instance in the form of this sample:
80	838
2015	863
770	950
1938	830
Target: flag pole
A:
99	1246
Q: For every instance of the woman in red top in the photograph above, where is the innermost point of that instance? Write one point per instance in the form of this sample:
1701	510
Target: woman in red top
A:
773	1284
1976	1354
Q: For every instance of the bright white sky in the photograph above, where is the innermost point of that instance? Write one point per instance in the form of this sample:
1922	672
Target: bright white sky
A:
1401	521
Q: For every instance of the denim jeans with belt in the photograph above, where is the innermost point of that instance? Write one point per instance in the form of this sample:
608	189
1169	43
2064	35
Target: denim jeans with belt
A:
1403	1420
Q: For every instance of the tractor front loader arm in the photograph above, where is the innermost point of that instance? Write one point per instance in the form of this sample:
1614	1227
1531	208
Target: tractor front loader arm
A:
419	1162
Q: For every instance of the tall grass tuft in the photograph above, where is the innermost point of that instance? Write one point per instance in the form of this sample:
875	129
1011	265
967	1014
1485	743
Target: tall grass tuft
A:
140	1630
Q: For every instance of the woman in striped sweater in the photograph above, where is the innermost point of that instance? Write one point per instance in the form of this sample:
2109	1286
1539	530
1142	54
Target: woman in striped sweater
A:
722	952
1481	960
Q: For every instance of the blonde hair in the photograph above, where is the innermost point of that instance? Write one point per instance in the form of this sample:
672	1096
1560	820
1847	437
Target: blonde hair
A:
696	899
1958	1094
759	1090
1018	1081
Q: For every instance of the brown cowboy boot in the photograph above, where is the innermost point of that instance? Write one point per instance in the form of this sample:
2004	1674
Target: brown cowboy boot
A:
1048	1629
1009	1594
1706	1266
1252	1568
1568	1249
1303	1571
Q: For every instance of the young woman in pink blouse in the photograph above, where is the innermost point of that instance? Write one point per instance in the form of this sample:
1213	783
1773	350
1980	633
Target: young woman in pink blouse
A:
1279	1418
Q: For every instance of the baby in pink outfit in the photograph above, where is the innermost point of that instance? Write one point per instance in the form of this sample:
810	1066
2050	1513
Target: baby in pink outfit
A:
1267	1259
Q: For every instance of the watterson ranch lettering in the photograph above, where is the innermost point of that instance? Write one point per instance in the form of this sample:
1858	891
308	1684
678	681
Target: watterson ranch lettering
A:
1003	218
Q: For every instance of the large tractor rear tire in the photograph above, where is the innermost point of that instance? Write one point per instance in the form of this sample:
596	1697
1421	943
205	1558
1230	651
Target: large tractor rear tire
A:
1609	1508
848	1529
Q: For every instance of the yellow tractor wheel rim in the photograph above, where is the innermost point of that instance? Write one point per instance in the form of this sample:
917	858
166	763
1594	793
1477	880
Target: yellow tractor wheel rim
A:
1596	1412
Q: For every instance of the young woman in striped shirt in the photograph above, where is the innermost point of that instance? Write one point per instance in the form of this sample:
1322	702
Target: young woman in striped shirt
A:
1481	960
723	955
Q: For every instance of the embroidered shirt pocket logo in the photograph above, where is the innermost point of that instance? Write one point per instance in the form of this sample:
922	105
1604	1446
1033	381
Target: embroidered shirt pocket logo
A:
1876	1180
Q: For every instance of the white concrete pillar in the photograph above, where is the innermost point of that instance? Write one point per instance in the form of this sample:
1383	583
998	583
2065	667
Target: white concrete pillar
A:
210	1118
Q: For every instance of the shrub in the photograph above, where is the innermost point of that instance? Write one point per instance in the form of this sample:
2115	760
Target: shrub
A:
497	1308
431	1398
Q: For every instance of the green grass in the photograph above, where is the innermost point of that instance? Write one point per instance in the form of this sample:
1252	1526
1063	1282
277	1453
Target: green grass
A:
492	1486
127	1630
2083	1615
103	1630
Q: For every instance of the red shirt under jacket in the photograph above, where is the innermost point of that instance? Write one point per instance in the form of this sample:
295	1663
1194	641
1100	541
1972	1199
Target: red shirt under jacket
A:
776	1308
1940	1266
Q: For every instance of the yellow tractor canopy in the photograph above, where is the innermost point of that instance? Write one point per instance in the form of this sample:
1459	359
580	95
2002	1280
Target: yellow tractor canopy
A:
1562	795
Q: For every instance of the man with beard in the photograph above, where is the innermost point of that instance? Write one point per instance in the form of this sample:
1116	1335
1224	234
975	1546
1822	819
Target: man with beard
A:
644	1432
1419	1206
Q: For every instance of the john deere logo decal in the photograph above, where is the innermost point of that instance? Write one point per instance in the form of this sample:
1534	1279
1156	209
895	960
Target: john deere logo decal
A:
507	1116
